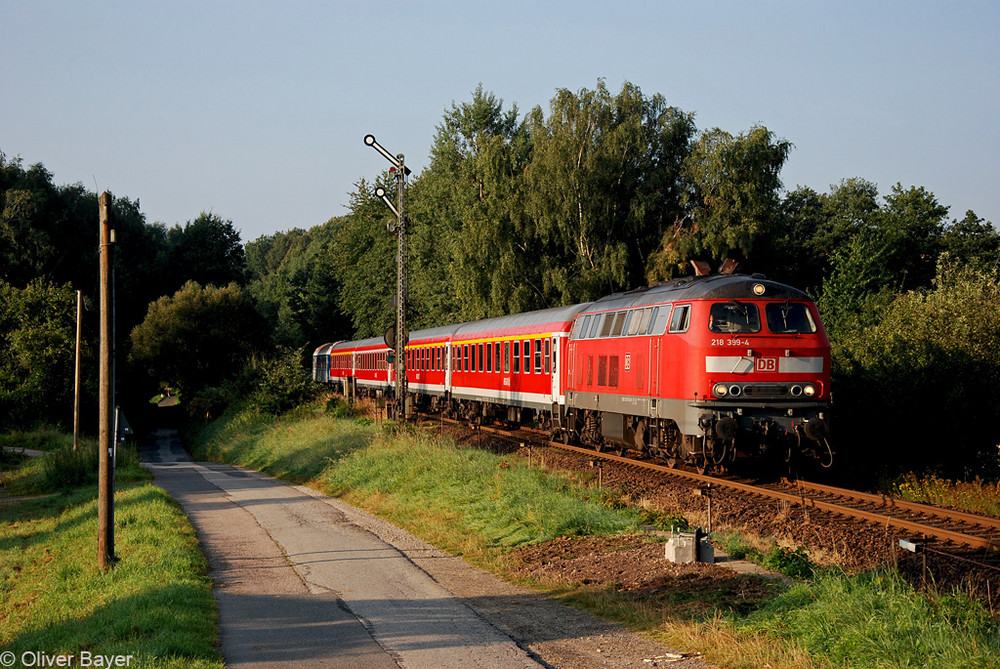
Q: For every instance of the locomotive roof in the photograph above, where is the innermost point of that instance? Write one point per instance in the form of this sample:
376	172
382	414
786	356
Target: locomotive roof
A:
714	287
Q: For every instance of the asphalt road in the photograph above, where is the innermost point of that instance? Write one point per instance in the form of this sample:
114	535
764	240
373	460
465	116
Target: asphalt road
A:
298	584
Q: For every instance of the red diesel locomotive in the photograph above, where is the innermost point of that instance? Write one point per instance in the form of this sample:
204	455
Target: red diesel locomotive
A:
699	369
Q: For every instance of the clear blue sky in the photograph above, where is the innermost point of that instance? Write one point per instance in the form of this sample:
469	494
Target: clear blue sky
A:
256	110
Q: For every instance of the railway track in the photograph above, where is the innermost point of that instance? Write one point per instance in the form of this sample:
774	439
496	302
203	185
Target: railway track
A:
956	530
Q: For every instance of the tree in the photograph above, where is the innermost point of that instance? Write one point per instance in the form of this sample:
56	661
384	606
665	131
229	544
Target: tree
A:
973	241
731	200
365	257
206	250
469	229
604	183
198	337
37	352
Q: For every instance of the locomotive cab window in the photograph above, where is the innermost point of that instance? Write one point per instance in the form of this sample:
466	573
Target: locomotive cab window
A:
734	318
681	318
789	318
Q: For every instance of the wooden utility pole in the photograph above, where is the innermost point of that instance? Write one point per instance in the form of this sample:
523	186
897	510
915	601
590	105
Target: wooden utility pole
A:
106	493
76	380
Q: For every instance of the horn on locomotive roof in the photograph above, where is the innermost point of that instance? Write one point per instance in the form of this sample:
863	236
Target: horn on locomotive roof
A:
728	266
701	268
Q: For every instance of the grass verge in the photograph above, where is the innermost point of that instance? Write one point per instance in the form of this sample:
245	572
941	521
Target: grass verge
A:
482	506
155	604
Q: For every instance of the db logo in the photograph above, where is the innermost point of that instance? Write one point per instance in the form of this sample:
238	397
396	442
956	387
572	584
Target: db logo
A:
767	364
628	361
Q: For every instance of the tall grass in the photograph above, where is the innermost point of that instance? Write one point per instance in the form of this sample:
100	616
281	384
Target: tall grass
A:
296	447
878	620
501	501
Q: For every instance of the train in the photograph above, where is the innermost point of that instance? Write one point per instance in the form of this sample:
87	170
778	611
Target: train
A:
708	370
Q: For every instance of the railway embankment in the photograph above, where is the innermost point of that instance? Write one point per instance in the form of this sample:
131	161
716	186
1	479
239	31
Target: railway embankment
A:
576	536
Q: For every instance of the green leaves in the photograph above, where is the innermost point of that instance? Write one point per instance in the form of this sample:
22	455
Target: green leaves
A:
37	343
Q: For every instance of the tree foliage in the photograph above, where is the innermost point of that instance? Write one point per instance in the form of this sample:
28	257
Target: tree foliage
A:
199	336
37	352
926	361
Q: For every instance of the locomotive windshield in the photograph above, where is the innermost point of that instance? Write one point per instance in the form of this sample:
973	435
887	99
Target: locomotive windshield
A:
734	317
789	318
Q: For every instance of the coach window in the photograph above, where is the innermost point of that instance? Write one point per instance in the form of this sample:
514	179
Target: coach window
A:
472	360
548	353
527	356
506	357
517	357
480	367
489	356
681	318
496	357
538	356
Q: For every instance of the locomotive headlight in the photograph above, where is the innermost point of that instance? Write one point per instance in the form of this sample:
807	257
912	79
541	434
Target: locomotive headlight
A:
720	390
796	391
734	391
809	390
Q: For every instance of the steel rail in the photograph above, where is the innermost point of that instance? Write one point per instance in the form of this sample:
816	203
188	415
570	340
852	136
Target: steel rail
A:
799	498
892	502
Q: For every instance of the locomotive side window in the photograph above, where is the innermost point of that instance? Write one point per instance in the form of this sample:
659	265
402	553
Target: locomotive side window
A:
613	371
607	323
593	327
616	329
633	314
681	318
640	321
734	318
602	370
653	320
789	319
517	357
